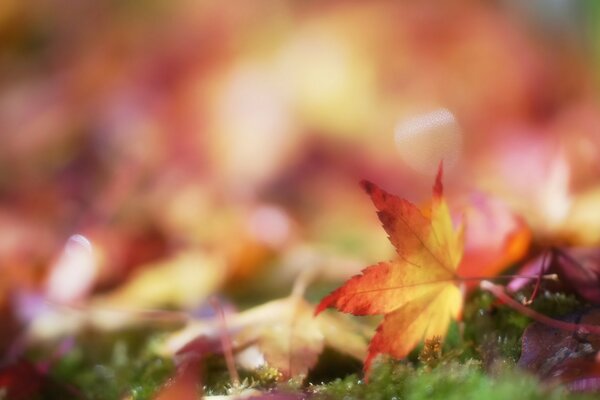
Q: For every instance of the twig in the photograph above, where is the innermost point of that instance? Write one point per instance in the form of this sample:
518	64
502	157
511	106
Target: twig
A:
538	282
498	291
226	343
304	279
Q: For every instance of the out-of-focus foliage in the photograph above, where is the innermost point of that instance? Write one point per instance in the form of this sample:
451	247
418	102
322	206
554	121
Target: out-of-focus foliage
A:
282	334
154	154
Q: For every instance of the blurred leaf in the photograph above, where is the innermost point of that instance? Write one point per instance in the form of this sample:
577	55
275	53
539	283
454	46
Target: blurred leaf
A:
582	224
495	238
23	380
185	385
567	356
292	343
184	280
578	270
285	333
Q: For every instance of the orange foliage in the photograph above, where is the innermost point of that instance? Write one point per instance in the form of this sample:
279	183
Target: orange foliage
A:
418	292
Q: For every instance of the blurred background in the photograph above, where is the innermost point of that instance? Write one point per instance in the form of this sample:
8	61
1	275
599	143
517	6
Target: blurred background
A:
156	152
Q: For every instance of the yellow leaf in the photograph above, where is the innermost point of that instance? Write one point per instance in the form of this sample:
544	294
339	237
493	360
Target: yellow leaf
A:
417	293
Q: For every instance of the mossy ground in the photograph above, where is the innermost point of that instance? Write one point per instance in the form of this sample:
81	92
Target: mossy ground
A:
448	380
477	360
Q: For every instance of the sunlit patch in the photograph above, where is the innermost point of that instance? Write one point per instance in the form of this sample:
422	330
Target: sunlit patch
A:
269	225
426	139
535	177
250	112
555	197
251	358
74	272
331	81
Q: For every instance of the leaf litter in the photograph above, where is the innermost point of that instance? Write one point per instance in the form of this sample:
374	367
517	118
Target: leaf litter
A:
419	294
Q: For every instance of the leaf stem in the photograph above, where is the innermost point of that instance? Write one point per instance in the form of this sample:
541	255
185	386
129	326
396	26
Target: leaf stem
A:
551	277
302	282
226	343
538	281
498	291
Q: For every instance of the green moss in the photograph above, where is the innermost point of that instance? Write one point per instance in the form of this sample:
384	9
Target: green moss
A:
114	366
217	381
556	304
392	380
477	359
493	331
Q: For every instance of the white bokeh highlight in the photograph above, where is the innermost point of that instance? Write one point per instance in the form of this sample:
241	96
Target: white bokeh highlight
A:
74	273
426	139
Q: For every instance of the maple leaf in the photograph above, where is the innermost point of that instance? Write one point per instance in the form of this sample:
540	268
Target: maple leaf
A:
418	292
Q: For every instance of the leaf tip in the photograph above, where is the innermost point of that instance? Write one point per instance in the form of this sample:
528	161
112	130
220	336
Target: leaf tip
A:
368	186
438	187
325	303
319	309
372	358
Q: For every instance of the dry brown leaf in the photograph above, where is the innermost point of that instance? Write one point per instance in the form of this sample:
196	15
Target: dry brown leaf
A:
284	332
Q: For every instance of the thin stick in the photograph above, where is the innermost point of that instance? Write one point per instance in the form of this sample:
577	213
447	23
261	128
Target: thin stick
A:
226	342
498	291
551	277
538	282
301	283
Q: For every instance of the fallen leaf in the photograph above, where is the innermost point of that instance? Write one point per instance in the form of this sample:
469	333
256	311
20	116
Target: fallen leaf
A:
578	270
495	239
418	292
292	344
185	280
24	380
558	208
185	384
284	332
569	357
516	162
21	380
580	375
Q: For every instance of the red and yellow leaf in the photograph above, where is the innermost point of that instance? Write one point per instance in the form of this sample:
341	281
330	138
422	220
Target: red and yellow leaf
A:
418	292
